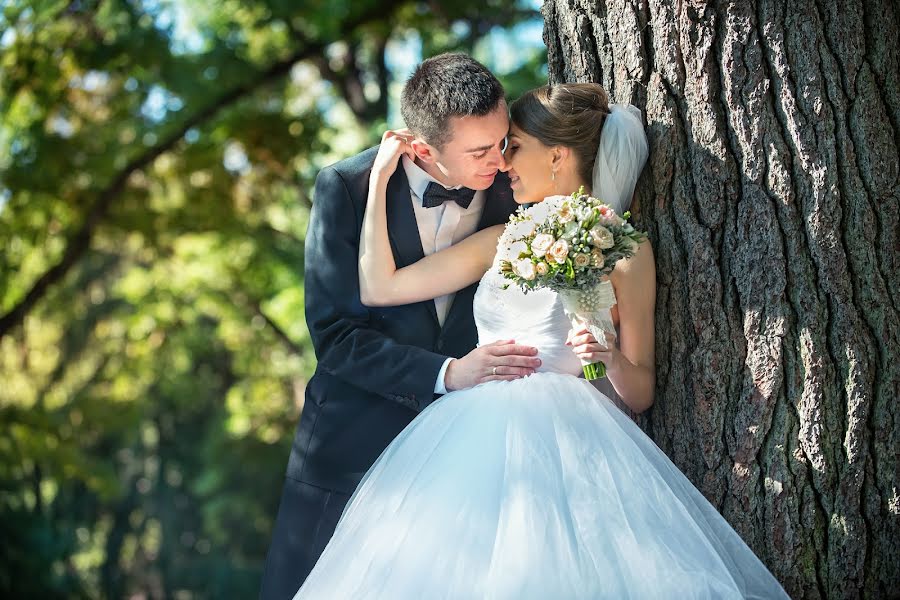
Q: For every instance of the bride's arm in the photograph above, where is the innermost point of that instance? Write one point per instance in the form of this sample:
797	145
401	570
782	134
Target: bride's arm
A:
634	280
630	367
381	283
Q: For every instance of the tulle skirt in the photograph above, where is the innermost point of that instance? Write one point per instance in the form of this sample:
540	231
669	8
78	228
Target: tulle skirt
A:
536	488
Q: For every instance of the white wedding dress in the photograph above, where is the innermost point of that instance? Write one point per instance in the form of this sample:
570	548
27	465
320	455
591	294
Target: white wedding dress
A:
536	488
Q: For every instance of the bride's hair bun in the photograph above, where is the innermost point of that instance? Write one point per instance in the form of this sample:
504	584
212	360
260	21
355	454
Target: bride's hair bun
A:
565	114
594	93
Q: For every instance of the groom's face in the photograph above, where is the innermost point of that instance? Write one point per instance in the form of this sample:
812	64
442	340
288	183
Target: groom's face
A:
474	154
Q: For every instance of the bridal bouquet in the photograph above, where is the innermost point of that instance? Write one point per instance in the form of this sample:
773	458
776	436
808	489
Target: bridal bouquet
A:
570	244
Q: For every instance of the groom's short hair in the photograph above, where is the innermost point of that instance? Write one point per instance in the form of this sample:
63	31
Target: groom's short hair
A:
444	86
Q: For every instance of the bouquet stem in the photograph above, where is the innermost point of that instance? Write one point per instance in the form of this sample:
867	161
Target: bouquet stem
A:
594	371
589	308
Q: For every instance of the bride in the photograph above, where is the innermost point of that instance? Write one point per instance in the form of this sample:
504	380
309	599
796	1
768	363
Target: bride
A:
534	487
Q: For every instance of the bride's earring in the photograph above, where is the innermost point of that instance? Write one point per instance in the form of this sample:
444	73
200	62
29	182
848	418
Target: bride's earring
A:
552	175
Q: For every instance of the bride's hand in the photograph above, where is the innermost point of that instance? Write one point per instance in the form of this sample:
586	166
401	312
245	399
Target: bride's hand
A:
394	144
589	349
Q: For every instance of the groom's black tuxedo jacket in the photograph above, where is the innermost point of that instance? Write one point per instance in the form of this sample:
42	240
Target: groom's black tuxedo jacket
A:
376	366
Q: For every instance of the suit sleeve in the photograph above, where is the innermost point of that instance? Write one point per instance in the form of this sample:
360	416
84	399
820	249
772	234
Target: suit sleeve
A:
346	344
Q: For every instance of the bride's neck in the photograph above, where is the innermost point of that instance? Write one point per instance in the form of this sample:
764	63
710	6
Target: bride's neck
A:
570	183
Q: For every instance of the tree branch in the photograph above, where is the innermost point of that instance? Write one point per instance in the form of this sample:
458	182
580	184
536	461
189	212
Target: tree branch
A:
348	81
381	76
81	240
279	332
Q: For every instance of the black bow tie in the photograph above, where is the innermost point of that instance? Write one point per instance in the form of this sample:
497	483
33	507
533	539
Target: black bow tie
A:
436	194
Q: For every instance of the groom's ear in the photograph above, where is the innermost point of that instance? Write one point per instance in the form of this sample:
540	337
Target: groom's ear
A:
423	151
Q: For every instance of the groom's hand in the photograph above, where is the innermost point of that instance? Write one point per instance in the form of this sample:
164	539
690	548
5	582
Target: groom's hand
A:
503	360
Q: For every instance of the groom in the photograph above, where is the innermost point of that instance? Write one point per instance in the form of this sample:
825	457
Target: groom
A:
379	367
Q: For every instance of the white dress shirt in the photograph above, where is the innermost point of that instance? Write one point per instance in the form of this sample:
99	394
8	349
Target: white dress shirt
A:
439	228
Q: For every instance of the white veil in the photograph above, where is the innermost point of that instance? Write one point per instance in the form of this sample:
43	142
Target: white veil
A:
620	158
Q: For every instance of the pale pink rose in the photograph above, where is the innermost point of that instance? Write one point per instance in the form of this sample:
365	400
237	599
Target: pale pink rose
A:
581	260
541	243
601	237
524	268
607	214
559	251
542	268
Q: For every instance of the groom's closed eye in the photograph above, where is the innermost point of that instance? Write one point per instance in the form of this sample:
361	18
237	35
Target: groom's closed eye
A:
482	152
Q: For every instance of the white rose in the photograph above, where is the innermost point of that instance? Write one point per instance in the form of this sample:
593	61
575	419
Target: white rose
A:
511	251
539	212
559	251
542	268
601	237
541	243
554	202
522	229
542	211
565	213
524	268
582	260
517	249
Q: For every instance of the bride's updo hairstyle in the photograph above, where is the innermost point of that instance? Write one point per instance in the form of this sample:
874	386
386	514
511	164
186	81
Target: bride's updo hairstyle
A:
565	114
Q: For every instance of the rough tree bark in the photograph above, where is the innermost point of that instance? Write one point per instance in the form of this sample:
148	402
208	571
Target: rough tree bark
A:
771	197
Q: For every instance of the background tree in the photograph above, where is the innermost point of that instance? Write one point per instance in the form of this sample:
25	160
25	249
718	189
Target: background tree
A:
156	164
772	198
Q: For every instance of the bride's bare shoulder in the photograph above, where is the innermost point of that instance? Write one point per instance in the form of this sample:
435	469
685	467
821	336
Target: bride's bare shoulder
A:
636	267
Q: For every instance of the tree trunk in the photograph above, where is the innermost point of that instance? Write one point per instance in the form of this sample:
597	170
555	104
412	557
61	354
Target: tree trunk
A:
772	198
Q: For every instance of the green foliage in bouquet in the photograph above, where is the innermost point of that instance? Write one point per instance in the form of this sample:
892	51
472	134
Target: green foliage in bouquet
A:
570	244
566	243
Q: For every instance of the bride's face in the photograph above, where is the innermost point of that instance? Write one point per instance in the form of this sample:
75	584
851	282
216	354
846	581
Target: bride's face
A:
529	164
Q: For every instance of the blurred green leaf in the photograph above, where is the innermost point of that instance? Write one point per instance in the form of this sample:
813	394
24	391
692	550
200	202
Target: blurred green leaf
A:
157	159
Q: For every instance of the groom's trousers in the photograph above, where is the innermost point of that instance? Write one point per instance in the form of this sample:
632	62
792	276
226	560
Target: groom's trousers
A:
306	520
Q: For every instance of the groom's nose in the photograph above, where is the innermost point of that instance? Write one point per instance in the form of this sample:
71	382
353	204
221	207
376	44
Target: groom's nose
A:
497	158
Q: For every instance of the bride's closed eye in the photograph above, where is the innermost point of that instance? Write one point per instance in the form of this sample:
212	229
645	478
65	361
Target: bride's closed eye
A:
510	150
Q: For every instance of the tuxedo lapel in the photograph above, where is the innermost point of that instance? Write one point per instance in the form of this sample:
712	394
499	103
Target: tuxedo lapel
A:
403	230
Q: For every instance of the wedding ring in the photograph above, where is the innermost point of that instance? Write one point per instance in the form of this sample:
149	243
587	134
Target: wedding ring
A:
494	371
